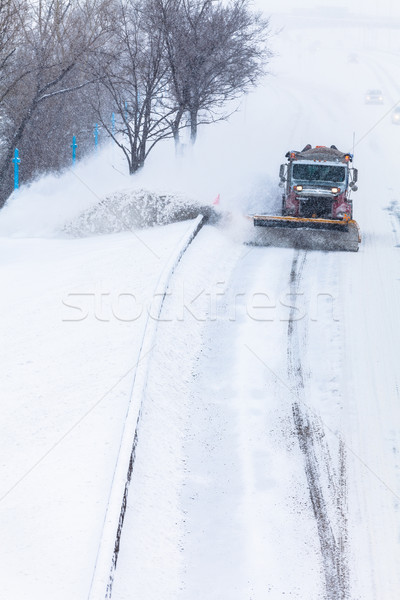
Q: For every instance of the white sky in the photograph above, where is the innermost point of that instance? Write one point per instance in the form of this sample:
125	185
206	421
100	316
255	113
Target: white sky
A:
382	8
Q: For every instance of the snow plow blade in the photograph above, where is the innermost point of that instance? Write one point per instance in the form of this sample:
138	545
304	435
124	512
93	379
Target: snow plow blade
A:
313	233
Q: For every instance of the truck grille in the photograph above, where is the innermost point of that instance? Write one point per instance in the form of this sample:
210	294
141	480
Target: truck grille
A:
316	206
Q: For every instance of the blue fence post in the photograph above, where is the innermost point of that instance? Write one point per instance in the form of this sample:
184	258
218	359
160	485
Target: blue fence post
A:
74	146
16	160
113	123
96	135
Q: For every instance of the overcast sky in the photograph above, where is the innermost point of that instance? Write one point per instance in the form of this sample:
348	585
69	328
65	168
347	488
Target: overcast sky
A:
383	8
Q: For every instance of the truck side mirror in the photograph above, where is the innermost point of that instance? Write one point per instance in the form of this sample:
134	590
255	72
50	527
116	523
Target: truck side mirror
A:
355	175
282	173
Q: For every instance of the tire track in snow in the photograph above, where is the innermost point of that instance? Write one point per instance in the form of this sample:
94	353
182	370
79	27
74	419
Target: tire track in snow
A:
318	462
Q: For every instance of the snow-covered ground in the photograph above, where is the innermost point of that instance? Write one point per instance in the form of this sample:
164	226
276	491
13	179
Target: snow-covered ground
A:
73	317
274	375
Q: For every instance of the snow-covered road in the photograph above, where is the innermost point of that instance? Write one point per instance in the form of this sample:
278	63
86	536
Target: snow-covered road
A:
277	429
274	431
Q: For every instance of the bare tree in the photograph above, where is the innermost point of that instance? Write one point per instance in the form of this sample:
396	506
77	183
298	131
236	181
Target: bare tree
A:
9	42
134	73
9	39
216	53
157	64
56	37
46	143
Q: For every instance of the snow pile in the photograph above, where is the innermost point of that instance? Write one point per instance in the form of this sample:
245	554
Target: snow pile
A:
135	209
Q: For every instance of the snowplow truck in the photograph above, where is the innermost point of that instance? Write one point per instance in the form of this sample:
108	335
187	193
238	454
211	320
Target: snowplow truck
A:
317	211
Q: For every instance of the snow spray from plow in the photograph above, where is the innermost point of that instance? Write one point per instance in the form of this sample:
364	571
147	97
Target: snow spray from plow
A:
107	557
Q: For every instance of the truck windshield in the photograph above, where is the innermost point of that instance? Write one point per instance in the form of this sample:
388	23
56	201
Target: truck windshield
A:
319	173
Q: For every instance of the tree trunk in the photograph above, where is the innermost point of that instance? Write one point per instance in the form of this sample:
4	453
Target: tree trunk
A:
175	126
193	125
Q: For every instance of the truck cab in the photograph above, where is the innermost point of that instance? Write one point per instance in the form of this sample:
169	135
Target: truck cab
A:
317	183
